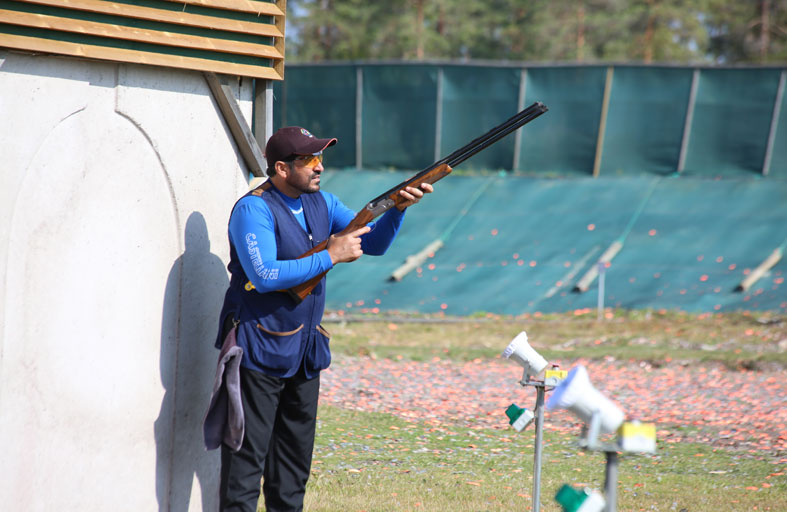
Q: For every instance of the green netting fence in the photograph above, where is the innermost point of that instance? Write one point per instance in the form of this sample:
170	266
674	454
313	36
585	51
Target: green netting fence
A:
604	120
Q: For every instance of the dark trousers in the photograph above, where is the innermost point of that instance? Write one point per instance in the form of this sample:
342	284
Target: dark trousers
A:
280	420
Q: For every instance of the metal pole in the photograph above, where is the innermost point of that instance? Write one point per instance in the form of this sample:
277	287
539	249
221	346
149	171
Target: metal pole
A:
263	111
611	481
540	392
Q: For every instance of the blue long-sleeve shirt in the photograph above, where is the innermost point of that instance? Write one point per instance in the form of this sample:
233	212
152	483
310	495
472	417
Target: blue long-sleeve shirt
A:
251	230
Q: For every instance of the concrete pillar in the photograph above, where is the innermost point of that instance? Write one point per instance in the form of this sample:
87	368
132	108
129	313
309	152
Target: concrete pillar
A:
116	184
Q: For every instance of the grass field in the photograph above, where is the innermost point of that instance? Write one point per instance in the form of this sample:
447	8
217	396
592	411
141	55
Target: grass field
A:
375	455
367	461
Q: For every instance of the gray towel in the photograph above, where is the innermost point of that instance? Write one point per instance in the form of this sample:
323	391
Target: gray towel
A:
224	420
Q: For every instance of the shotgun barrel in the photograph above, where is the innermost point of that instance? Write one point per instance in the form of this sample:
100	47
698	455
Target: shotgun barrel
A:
473	147
431	174
495	134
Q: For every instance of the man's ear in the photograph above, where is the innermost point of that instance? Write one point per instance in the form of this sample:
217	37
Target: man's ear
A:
282	169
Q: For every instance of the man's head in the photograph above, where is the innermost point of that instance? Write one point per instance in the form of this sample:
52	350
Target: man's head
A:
290	142
295	160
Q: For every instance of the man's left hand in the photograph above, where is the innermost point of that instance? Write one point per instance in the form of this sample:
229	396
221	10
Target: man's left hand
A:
413	195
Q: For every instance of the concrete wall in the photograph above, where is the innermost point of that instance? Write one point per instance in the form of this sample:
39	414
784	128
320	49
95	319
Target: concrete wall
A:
116	186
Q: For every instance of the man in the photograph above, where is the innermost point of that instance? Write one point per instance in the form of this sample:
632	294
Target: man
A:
284	346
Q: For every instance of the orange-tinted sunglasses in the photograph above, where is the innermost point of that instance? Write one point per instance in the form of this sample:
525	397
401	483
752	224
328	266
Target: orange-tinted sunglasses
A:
309	160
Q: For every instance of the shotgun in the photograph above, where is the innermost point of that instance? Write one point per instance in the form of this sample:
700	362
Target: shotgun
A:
431	174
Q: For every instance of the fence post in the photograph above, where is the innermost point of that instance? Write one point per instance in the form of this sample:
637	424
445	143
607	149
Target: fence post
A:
358	118
684	143
602	125
520	106
438	124
774	124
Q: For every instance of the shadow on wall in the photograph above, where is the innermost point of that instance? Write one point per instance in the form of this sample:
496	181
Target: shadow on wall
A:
194	292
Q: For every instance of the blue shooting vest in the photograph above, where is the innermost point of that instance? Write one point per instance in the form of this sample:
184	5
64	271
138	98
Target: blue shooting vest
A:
277	334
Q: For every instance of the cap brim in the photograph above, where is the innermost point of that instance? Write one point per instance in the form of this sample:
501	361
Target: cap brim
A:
315	146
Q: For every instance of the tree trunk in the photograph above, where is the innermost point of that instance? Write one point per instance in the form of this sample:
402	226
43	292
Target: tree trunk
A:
419	30
326	33
581	32
648	51
764	29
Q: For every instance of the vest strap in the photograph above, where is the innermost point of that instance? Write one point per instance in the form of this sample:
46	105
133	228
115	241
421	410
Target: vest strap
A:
262	188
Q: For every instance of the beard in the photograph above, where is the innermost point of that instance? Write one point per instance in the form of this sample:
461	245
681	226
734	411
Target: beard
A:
307	186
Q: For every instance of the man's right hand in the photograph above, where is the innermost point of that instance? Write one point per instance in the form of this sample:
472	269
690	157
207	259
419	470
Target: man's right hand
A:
347	247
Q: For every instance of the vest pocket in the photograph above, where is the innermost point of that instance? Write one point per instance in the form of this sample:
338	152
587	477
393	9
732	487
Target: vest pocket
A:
319	356
278	351
276	333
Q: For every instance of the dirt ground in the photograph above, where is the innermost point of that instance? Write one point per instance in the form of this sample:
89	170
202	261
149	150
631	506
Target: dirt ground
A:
708	403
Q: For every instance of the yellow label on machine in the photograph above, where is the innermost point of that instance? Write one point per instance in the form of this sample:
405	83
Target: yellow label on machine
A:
554	377
646	430
637	437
